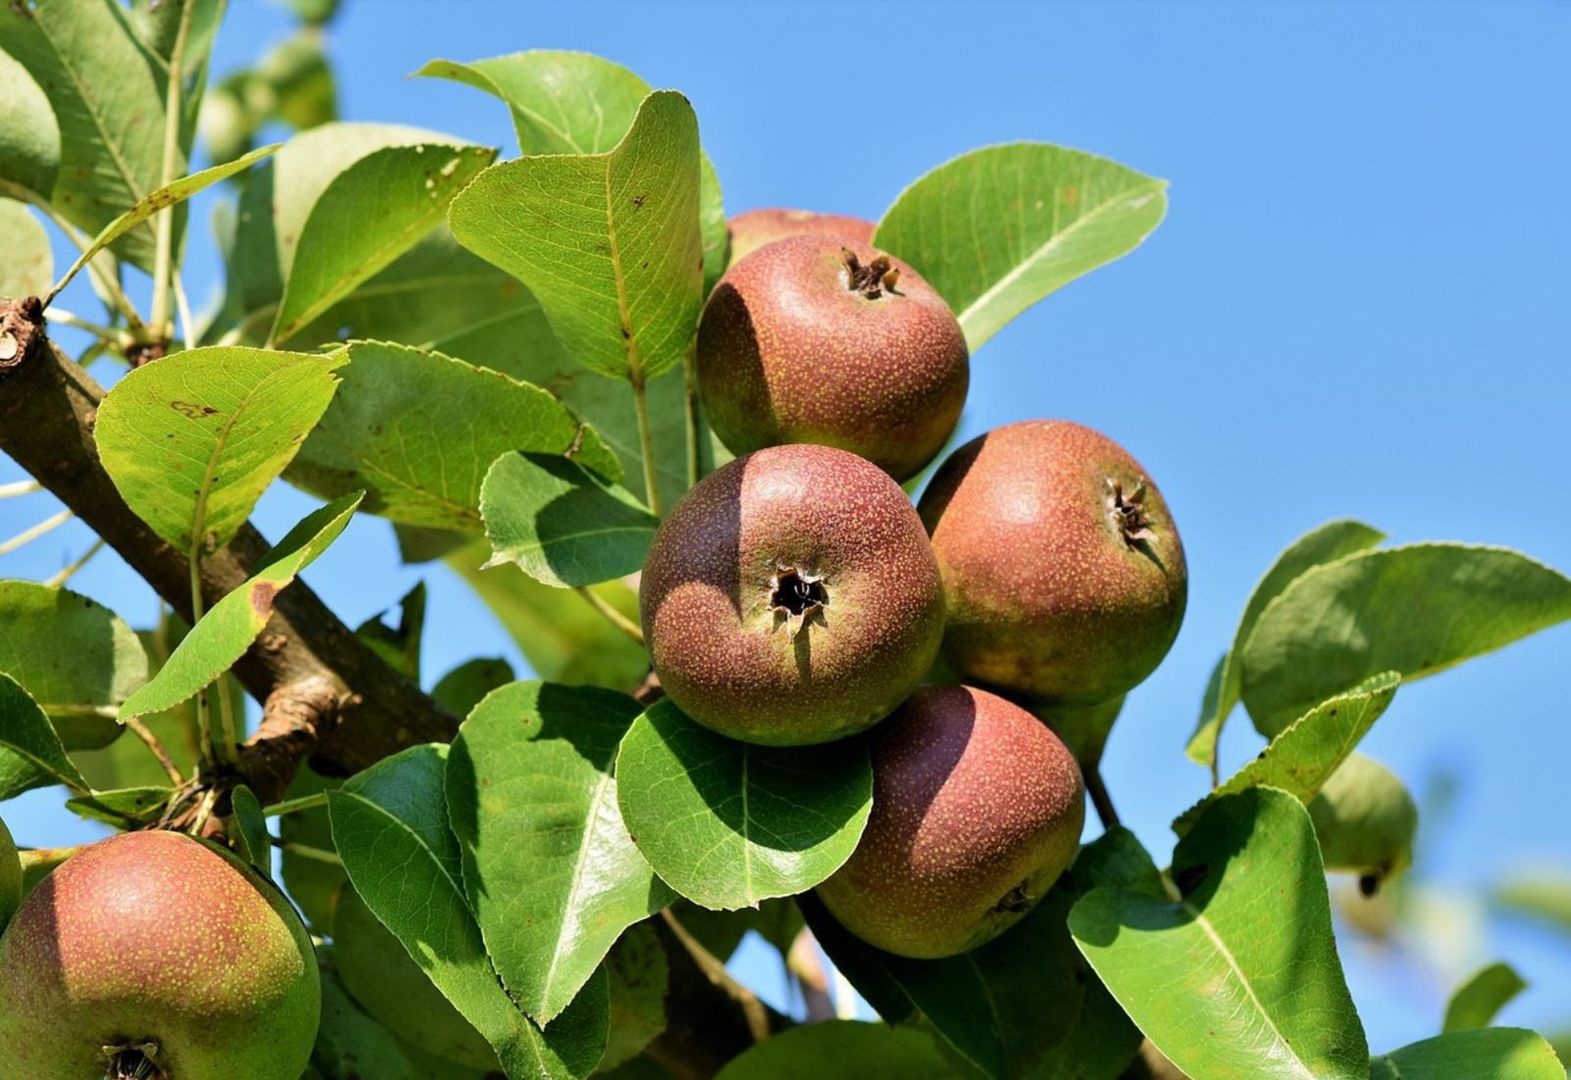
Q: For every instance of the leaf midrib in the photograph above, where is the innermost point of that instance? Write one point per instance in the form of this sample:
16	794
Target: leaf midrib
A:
579	864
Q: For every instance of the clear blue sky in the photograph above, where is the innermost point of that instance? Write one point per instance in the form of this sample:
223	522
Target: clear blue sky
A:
1356	307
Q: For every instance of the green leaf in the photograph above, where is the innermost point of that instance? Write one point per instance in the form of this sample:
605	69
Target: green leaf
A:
1415	610
1328	543
578	103
562	637
166	197
1365	820
1496	1053
842	1048
1543	895
1475	1002
998	229
418	430
312	884
551	874
248	830
351	1044
727	824
372	212
640	975
399	647
1238	976
124	808
29	265
608	243
1309	750
192	441
107	105
390	827
29	135
461	689
75	657
30	752
227	631
561	523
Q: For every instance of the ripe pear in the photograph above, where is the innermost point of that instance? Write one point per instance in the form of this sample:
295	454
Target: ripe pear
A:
1063	569
977	809
791	597
152	955
379	973
813	340
10	877
753	229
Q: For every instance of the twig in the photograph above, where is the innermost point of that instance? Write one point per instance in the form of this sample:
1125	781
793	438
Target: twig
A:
694	429
204	811
803	963
20	487
611	615
145	733
646	446
115	336
295	806
183	306
229	732
711	966
163	252
1099	796
27	536
68	572
305	851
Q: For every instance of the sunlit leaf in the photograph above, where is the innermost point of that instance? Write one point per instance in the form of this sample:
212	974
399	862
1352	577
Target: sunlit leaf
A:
1496	1053
1476	1001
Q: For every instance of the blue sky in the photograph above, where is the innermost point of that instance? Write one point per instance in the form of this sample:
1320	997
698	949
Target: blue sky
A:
1356	307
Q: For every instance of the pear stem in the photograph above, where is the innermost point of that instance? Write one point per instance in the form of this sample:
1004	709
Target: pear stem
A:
1099	796
611	615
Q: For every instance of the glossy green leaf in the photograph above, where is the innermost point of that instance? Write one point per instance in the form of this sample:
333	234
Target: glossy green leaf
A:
371	213
166	197
108	107
29	265
1365	819
1237	974
578	103
608	243
29	135
562	637
1495	1053
1327	543
1475	1002
248	830
390	827
998	229
461	689
549	869
418	430
352	1045
30	752
192	441
1303	757
842	1048
640	975
727	824
123	808
228	629
562	524
1415	610
75	657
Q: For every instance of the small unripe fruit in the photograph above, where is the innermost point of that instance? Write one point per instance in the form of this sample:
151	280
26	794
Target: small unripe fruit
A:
388	984
1063	570
753	229
810	340
151	955
1366	821
791	597
977	809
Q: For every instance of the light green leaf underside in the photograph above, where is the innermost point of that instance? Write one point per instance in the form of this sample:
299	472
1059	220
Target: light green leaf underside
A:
608	243
1475	1002
1414	610
192	441
29	265
1240	978
29	135
390	828
227	631
727	824
1303	757
562	524
1325	544
30	753
997	229
418	430
1496	1053
369	214
550	871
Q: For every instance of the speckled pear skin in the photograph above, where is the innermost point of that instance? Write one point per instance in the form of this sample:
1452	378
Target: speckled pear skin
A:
753	229
152	936
788	352
1046	596
977	809
729	659
388	984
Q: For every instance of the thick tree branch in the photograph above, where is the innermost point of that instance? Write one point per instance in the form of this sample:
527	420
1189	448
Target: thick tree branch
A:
323	691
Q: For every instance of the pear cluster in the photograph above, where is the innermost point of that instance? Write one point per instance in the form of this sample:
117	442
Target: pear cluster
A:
795	596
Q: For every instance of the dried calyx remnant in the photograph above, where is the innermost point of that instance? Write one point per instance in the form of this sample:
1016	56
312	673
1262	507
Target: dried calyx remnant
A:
796	594
872	280
1128	511
134	1062
1014	901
